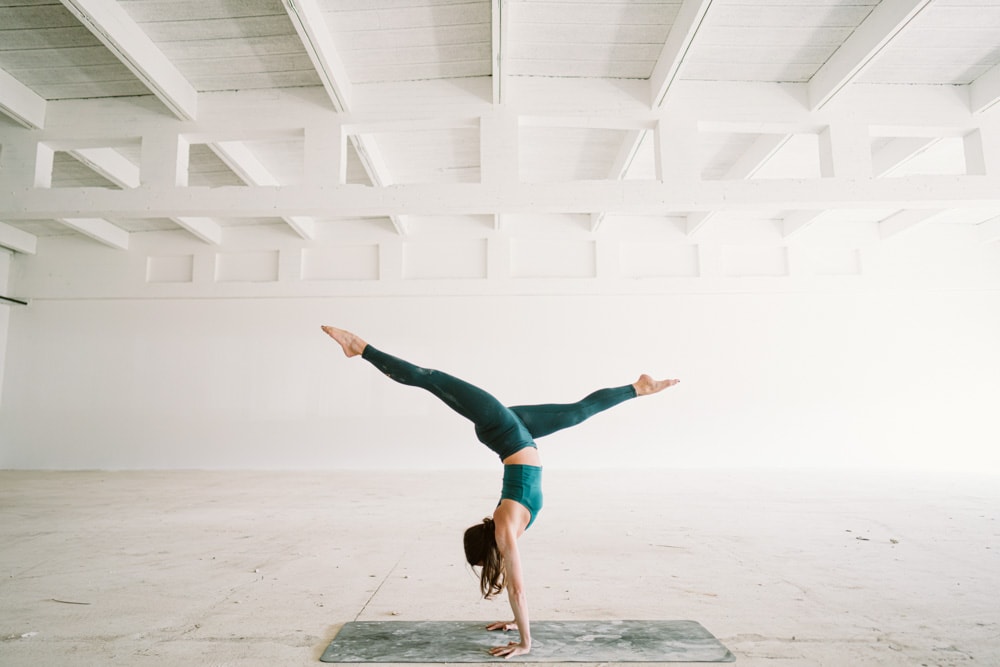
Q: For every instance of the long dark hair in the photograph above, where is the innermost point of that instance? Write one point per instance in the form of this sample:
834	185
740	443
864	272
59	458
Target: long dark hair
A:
481	550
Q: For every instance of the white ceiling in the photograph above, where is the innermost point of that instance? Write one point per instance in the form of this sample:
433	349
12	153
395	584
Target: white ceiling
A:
620	70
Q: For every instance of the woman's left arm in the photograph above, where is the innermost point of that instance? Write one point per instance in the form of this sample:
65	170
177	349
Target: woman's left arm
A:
514	582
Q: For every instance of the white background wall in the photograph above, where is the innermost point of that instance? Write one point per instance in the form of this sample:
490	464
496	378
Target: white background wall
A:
881	372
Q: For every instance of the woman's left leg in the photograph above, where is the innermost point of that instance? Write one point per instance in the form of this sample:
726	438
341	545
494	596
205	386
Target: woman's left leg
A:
541	420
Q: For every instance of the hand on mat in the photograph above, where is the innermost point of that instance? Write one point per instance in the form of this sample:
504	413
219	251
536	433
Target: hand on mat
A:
502	625
510	650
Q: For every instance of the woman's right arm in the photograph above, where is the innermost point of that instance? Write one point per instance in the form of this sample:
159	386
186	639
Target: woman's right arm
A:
514	582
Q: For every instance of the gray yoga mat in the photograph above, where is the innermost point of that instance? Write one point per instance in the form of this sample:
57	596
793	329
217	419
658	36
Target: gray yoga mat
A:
551	641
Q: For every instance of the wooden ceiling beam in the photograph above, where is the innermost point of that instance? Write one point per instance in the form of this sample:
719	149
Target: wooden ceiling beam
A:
675	48
884	23
125	39
307	17
624	197
904	221
984	92
100	230
498	50
17	240
20	103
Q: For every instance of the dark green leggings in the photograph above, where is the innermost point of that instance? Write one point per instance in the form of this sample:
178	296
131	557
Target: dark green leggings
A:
502	429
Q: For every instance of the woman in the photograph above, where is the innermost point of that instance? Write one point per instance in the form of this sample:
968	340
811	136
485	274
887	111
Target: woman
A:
510	432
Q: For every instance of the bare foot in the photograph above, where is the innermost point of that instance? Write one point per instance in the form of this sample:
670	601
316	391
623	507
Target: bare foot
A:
647	385
351	344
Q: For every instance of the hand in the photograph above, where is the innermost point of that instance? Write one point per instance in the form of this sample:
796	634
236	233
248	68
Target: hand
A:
502	625
510	650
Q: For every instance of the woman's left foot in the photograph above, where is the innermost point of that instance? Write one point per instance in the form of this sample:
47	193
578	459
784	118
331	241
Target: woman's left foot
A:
646	385
351	344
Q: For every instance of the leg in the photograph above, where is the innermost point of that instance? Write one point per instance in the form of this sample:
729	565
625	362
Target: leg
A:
542	420
496	426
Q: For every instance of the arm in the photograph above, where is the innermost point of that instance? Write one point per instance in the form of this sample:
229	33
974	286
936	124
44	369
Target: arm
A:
514	581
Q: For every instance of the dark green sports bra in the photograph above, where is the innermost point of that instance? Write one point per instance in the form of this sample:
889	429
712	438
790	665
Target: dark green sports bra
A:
523	485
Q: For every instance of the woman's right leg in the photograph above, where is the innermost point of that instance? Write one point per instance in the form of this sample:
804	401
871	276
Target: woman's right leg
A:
496	426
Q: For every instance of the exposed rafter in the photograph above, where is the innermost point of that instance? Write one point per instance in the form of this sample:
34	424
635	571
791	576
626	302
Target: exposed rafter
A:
749	163
904	221
14	239
118	169
100	230
123	37
624	160
897	152
307	17
885	22
238	157
110	164
498	49
20	102
984	92
675	48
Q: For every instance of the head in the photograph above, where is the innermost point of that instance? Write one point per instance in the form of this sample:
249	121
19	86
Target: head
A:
481	551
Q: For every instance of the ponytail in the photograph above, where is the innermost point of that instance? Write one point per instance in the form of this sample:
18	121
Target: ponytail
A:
481	550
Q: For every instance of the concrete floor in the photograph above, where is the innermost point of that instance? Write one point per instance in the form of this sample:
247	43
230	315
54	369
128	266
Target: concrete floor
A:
215	568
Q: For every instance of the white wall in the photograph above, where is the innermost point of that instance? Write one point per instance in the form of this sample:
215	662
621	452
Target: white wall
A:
882	371
5	269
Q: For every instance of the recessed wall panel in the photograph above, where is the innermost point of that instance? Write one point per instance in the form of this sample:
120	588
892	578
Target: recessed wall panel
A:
352	262
538	258
754	261
445	259
176	269
658	260
246	267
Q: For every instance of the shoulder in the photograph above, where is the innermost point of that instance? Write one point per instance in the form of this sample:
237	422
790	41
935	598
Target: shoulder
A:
510	520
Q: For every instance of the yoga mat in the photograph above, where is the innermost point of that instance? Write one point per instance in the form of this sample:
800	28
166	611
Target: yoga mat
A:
551	641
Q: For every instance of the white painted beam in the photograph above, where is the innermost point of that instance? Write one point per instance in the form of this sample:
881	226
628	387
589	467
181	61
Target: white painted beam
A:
984	92
20	102
982	150
165	159
238	157
310	24
989	231
755	157
696	222
897	152
795	221
371	159
904	221
845	151
110	164
307	17
884	23
748	164
625	197
17	240
619	169
498	49
675	48
206	229
123	37
100	230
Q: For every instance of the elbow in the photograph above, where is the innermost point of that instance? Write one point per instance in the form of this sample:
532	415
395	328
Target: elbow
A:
517	594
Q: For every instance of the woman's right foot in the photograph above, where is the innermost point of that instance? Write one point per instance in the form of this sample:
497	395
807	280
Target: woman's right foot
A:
351	344
646	385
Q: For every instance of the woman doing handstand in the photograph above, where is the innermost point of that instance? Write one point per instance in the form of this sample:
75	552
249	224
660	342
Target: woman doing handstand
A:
510	432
